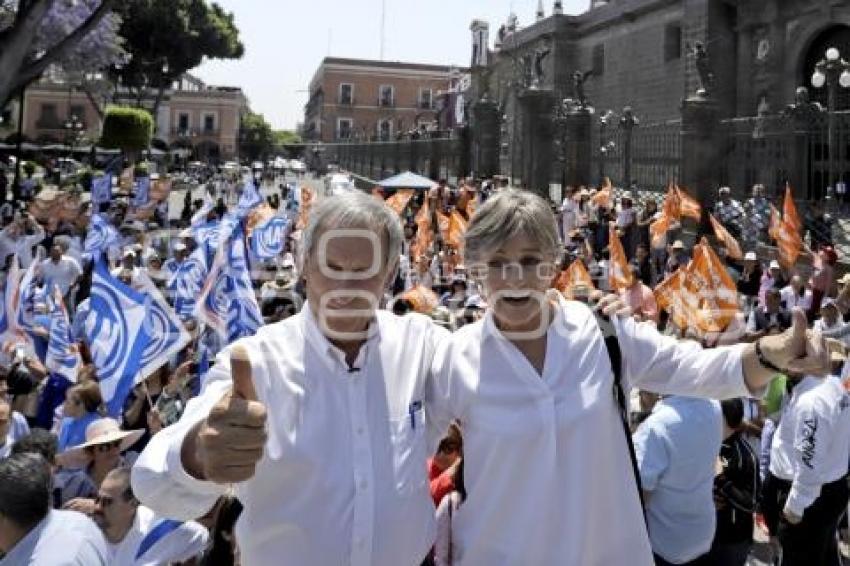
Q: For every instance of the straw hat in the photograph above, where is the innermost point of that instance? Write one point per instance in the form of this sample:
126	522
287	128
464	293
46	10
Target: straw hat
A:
101	431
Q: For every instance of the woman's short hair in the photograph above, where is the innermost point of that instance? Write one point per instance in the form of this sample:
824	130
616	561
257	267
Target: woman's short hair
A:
506	215
90	396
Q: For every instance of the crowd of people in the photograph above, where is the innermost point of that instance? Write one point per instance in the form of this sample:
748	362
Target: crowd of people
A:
431	385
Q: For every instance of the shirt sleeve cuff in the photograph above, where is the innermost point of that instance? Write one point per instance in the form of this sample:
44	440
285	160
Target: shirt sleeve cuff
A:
796	503
174	463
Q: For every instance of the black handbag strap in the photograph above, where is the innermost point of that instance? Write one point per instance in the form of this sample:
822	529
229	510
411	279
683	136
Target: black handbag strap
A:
609	333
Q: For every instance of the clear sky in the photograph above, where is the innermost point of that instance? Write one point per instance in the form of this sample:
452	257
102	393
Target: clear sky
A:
285	40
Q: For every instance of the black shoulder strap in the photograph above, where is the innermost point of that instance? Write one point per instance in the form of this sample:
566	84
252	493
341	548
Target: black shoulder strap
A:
609	333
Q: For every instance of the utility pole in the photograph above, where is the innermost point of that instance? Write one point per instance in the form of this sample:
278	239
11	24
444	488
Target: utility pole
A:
383	27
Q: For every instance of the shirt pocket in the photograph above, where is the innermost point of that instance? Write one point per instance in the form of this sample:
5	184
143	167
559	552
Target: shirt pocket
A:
409	454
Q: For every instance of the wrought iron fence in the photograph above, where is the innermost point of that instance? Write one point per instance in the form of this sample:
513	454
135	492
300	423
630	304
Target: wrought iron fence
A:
648	155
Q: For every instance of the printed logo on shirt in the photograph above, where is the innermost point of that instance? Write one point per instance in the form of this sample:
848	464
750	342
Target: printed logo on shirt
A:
809	444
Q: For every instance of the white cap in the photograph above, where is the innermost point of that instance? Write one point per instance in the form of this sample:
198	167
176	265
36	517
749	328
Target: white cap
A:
751	256
287	263
129	253
774	265
187	233
179	247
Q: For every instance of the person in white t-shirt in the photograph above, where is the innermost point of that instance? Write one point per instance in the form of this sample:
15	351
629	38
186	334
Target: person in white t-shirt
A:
797	295
135	536
60	270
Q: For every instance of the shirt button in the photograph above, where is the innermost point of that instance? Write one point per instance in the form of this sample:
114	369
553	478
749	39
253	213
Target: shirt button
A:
363	484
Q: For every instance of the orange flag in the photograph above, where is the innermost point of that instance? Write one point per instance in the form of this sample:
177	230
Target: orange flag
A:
787	239
658	230
399	200
575	274
306	204
443	226
708	279
672	206
789	210
688	205
670	296
457	228
603	196
619	274
724	236
424	300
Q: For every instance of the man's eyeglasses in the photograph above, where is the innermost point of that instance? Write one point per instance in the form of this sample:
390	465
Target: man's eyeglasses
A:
108	446
104	501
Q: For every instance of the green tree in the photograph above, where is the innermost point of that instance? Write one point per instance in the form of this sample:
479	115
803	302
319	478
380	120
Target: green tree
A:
286	137
167	38
256	137
127	129
35	34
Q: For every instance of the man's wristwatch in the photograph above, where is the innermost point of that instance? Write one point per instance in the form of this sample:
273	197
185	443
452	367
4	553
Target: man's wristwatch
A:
767	364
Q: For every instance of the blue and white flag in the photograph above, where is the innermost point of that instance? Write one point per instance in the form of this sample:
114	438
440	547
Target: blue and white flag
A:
207	235
200	217
186	283
101	236
227	303
63	357
30	294
249	199
142	191
116	332
101	189
166	331
268	239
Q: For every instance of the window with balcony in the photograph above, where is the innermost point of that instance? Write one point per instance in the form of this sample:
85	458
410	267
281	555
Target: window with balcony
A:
344	126
385	130
386	96
426	99
48	117
346	94
209	123
183	122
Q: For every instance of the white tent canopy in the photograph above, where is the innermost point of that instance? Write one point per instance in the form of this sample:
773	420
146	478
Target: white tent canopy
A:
407	180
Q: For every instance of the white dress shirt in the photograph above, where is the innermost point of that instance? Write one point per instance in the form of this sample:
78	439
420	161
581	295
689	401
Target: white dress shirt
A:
21	244
811	446
62	273
547	469
343	477
63	538
793	299
178	545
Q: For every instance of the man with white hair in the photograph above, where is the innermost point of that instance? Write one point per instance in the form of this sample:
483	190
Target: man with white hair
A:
339	478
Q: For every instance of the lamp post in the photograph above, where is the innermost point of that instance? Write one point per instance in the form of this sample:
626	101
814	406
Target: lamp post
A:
605	120
73	127
627	123
831	72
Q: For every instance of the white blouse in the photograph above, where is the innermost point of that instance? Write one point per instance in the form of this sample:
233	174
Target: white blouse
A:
547	468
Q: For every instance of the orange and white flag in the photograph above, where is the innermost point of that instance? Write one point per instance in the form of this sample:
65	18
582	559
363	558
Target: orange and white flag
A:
422	299
732	245
658	231
619	274
670	296
787	238
789	210
574	275
603	197
306	205
688	205
708	279
399	201
457	228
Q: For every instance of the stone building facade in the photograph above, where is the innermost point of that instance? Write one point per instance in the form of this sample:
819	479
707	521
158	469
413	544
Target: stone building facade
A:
642	54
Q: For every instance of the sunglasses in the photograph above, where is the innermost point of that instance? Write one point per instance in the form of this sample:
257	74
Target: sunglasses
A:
104	501
108	446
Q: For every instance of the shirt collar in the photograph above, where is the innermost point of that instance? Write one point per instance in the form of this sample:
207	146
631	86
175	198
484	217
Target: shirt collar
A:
490	330
331	356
